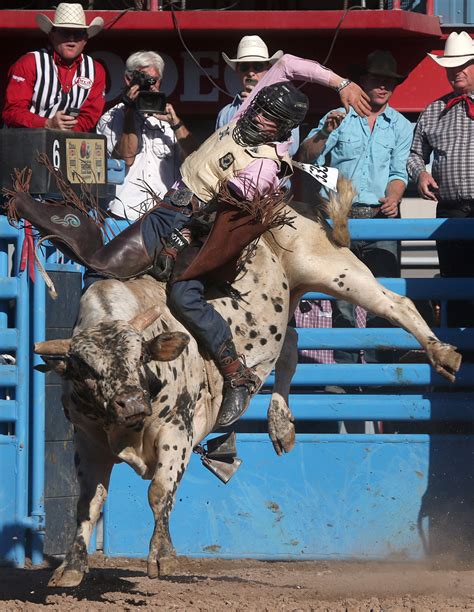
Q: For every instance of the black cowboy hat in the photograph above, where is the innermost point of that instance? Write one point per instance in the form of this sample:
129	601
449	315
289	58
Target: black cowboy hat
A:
380	63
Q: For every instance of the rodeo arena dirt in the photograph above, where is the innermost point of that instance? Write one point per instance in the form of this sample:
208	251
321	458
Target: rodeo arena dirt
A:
208	585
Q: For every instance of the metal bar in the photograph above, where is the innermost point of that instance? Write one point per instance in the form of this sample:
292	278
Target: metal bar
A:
421	288
8	339
8	411
38	427
380	338
362	407
9	376
412	229
22	397
430	7
400	438
380	374
396	5
8	288
6	230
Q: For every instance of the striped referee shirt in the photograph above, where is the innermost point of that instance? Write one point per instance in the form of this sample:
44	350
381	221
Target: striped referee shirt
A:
40	84
449	135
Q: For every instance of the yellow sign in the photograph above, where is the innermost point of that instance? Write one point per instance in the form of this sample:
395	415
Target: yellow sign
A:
86	160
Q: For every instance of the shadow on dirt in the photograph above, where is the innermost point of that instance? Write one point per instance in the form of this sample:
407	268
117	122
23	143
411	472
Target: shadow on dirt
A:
31	586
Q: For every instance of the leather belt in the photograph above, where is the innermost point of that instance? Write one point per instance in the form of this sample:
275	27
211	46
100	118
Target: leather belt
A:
359	211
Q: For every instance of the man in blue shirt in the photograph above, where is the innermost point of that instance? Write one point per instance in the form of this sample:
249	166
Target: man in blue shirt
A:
371	151
250	65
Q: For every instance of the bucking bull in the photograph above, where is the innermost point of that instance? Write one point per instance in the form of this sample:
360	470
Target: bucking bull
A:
140	391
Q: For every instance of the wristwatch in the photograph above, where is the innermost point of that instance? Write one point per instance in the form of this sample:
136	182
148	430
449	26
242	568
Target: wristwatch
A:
343	84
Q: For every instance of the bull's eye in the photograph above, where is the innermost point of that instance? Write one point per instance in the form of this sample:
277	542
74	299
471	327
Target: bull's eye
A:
85	369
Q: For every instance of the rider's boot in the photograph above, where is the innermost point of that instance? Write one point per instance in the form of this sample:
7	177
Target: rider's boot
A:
240	383
78	236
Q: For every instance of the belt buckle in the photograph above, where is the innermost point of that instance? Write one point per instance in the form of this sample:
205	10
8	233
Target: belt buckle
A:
181	197
364	212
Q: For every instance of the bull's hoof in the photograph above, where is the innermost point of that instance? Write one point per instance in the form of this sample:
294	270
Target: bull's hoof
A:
152	569
168	565
447	360
281	428
64	577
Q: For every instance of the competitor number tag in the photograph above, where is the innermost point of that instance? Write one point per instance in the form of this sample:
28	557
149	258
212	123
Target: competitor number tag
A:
323	174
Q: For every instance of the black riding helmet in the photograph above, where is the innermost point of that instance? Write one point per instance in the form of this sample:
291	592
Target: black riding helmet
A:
282	103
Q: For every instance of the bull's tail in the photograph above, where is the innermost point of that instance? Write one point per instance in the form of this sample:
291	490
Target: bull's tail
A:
338	209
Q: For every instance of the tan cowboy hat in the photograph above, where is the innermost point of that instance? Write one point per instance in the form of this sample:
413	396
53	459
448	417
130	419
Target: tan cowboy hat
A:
381	63
70	16
458	50
251	49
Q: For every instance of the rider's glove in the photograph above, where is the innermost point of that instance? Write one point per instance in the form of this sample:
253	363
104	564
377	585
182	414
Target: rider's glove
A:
165	260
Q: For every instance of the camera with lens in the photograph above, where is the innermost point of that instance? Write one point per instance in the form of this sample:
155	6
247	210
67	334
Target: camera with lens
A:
144	81
147	102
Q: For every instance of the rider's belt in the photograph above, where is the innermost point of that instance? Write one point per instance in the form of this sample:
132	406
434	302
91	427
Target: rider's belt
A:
182	200
361	211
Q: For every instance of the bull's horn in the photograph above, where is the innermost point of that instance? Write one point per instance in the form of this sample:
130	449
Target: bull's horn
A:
53	347
143	320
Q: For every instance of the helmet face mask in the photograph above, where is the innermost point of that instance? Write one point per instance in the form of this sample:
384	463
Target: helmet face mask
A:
281	104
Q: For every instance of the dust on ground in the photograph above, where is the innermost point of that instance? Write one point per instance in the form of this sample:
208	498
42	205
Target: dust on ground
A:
217	584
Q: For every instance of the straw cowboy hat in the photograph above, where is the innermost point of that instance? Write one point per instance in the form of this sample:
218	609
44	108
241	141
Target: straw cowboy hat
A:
251	49
70	16
381	63
458	50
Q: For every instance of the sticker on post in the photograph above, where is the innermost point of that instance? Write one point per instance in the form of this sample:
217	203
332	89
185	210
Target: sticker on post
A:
323	174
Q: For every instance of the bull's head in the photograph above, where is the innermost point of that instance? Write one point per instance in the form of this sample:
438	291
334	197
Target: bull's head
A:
105	362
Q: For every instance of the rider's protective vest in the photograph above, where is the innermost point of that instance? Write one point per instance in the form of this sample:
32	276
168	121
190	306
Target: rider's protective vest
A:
220	158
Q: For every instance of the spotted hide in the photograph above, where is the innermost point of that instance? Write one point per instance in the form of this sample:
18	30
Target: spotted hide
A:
139	393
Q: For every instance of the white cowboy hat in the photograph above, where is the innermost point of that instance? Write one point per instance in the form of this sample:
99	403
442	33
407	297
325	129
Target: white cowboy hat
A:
251	49
70	16
458	50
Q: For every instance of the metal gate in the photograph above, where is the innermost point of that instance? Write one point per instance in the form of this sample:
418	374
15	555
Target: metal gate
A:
21	408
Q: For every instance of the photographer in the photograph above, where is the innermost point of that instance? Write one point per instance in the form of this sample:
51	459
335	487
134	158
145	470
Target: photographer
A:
144	130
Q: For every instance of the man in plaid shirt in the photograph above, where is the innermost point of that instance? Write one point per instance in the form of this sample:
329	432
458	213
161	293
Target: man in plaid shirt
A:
446	129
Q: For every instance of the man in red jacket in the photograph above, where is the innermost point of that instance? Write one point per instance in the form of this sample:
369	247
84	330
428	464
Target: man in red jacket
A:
59	87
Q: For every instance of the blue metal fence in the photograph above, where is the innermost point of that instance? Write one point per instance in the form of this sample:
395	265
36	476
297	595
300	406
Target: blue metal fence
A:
22	429
334	496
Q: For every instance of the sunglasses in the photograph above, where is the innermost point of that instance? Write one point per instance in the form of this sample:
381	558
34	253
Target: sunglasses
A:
255	66
70	33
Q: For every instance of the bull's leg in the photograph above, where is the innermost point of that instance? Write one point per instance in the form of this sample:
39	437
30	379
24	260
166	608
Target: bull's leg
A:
344	276
281	428
173	449
93	468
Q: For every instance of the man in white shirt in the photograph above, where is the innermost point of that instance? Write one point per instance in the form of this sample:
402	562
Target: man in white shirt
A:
152	145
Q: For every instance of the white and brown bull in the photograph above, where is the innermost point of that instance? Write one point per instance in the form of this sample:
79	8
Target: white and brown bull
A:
139	392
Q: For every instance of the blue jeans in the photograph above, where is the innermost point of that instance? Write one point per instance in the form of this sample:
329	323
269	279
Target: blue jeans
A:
186	301
382	257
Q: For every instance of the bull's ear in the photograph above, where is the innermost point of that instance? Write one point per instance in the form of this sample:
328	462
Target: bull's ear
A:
58	364
167	346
